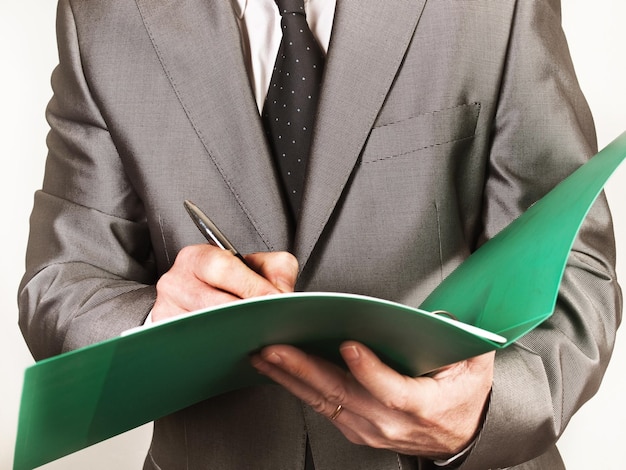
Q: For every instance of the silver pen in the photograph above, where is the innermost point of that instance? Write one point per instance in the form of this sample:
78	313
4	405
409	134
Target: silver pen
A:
210	230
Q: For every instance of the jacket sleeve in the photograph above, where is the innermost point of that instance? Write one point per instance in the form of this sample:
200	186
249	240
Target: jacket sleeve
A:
543	131
89	264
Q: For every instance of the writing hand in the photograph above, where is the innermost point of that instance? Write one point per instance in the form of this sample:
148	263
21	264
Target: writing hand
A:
204	276
433	416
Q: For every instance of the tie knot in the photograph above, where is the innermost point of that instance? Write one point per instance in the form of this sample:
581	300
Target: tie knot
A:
291	6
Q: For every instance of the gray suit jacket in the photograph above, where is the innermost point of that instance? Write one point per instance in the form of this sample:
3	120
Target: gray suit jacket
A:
440	121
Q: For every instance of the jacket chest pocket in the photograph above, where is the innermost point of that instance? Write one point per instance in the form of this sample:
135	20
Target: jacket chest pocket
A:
421	132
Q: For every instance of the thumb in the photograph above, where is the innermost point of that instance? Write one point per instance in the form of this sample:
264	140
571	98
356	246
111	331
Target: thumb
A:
381	381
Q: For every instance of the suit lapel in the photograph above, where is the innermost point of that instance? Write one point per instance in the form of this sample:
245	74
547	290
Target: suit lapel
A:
368	43
199	45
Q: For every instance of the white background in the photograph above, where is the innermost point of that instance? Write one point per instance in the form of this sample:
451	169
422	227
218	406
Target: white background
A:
596	434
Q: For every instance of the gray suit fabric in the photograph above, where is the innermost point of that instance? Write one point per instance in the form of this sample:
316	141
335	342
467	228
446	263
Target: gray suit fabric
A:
440	121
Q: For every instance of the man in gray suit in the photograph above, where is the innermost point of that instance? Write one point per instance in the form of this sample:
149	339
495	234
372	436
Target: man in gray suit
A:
439	122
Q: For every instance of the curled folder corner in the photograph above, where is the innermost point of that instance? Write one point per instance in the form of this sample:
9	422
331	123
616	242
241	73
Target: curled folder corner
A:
510	284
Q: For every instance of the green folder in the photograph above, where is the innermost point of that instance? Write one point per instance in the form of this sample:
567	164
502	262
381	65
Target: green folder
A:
505	289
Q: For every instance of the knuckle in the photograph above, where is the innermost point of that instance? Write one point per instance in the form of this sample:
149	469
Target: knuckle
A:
163	281
286	259
208	264
394	403
166	283
336	395
187	254
281	264
216	268
320	405
390	431
218	264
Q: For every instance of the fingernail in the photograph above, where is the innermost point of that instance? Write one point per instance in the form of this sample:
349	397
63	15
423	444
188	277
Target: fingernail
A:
350	353
256	361
273	358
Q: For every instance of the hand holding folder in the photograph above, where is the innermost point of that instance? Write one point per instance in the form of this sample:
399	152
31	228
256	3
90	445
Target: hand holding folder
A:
505	289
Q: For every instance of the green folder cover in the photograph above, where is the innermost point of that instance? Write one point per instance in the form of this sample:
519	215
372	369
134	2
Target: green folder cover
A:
502	291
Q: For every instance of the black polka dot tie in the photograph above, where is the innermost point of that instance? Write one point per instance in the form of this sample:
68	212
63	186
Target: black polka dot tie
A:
291	102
